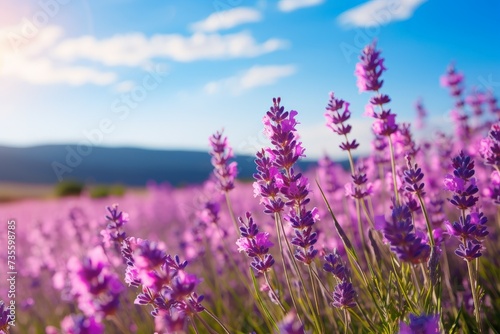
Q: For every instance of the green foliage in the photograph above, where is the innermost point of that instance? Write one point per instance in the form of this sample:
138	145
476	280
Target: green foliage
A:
69	188
102	191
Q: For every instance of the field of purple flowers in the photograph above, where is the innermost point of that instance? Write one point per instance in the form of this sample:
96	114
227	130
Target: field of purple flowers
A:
405	241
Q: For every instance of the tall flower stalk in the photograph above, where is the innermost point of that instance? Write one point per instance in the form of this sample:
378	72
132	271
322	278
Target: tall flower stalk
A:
471	227
369	71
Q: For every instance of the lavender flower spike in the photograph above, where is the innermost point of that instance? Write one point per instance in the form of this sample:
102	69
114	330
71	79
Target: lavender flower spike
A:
344	296
369	69
221	153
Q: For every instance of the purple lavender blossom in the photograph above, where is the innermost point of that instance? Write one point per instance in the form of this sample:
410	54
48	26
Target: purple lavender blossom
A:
469	250
95	287
171	321
290	324
471	228
489	147
79	324
424	324
344	296
453	80
255	244
336	121
401	236
462	183
4	317
224	171
279	184
335	266
369	69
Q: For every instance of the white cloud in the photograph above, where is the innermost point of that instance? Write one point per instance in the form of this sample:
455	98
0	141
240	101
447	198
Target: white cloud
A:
253	77
291	5
124	86
27	61
227	19
135	49
379	12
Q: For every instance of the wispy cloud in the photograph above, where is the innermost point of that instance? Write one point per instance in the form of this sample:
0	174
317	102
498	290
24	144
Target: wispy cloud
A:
227	19
124	86
253	77
51	58
291	5
379	12
136	49
27	62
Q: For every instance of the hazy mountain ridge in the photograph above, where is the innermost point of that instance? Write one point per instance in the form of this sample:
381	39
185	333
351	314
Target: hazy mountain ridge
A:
49	164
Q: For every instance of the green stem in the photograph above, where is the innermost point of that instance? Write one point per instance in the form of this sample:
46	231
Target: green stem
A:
274	293
217	321
287	278
393	167
474	294
231	212
427	220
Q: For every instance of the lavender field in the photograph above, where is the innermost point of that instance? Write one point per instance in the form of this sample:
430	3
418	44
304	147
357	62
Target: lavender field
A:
405	240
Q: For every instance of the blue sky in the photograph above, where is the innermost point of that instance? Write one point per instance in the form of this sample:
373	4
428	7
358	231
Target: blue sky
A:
167	74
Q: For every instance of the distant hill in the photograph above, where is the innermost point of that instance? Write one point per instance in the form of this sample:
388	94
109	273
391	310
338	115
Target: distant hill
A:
50	164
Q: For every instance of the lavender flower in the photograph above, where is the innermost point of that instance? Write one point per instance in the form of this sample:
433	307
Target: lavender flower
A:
413	177
288	188
255	244
335	266
461	183
369	69
165	284
401	236
290	324
79	324
344	296
471	228
171	321
489	148
453	80
224	171
95	287
336	121
424	324
4	317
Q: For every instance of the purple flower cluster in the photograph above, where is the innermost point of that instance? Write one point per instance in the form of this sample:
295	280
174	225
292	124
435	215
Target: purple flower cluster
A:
279	185
255	244
453	80
368	71
96	288
344	295
462	184
413	176
360	187
165	284
471	228
290	324
336	121
79	324
400	234
4	318
424	324
114	234
489	148
224	171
